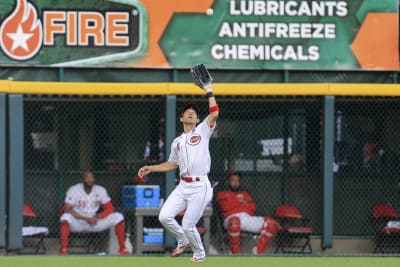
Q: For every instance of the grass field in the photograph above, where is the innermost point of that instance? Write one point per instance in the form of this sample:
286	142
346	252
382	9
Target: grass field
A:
212	261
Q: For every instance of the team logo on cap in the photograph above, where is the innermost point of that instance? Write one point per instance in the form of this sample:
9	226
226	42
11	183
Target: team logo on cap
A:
194	139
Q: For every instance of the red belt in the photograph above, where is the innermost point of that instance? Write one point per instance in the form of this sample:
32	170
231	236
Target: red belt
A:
190	179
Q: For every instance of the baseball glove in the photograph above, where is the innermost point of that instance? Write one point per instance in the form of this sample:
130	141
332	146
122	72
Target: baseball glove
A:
201	76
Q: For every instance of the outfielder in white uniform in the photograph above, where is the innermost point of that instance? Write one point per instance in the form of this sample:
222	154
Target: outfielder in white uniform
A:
82	202
191	154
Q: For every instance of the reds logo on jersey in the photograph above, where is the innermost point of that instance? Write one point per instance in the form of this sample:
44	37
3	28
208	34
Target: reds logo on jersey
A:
194	139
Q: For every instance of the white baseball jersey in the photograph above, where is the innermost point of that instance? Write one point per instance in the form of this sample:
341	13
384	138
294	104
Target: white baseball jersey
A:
190	150
86	204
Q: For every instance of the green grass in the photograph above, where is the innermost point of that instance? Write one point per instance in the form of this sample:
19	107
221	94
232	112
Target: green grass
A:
212	261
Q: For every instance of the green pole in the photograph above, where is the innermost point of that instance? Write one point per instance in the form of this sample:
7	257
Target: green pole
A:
61	74
174	75
285	178
328	148
286	76
16	170
3	166
170	132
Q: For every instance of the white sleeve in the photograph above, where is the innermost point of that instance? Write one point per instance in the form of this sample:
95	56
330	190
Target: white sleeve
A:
69	196
173	156
104	197
205	129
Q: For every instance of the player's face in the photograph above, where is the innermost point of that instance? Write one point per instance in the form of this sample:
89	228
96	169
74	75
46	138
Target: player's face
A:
88	180
189	117
234	182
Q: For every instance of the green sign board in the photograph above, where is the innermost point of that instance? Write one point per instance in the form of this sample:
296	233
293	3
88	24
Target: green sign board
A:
288	35
249	34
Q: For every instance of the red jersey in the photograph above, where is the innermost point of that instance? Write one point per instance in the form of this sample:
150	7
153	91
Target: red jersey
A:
235	202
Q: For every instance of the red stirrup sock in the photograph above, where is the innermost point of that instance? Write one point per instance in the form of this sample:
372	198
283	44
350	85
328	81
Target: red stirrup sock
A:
268	231
64	235
234	234
120	232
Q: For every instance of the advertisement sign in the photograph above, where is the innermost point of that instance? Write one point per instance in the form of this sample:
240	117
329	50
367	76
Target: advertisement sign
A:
232	34
76	33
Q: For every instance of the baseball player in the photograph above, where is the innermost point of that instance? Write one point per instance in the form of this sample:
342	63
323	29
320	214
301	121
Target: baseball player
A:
237	208
82	203
190	153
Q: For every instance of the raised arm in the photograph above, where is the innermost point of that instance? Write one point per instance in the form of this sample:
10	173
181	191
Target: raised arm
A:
202	78
212	105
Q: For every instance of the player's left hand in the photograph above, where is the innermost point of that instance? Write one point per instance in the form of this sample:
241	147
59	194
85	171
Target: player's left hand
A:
201	77
92	220
241	199
144	171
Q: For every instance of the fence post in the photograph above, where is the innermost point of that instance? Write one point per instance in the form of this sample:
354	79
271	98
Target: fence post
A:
328	148
16	171
170	133
3	164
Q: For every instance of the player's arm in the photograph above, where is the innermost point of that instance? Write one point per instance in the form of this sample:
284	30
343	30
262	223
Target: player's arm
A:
162	167
250	202
108	208
226	201
212	105
202	78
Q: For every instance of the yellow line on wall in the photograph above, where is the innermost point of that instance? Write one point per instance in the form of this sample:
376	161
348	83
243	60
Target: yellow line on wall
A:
79	88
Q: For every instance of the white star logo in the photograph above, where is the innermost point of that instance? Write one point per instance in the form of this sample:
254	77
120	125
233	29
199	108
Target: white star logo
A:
20	39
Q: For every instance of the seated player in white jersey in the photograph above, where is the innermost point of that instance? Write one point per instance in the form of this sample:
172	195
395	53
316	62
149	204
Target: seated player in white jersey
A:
82	203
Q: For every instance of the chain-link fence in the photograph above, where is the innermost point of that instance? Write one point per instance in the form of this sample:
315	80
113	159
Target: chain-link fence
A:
274	142
367	173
